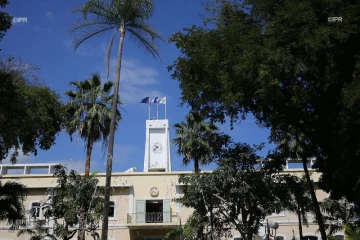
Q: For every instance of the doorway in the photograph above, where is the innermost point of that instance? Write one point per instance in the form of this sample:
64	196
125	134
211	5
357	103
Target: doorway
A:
154	212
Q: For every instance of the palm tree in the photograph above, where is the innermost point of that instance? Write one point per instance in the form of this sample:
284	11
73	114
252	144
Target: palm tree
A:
195	140
198	141
299	200
89	112
39	232
352	232
296	146
125	16
77	205
337	214
12	197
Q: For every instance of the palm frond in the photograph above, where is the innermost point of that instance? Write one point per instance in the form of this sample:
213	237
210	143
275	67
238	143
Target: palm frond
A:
351	232
143	41
85	35
107	87
108	55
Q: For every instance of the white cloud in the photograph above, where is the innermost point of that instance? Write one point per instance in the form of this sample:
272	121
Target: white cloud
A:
137	81
49	15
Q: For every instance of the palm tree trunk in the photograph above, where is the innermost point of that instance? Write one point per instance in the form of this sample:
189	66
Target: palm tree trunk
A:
211	223
104	230
300	222
315	202
88	155
196	165
82	225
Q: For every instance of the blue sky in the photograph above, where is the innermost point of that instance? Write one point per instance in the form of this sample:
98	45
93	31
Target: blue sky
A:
44	41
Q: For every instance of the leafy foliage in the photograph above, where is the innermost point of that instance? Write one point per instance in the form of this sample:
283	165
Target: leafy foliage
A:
298	200
287	65
5	19
89	112
197	140
352	232
12	197
238	193
76	205
31	114
130	16
190	231
125	16
39	232
337	213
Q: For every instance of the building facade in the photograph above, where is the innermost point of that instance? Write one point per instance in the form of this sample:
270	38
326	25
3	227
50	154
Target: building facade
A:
142	203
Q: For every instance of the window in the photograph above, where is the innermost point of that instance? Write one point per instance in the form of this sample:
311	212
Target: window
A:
112	209
310	238
339	237
35	210
153	211
280	213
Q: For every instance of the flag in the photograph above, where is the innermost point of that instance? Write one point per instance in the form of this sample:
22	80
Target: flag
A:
161	100
145	100
155	100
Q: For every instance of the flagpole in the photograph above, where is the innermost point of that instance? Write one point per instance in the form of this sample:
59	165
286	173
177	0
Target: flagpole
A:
157	111
149	109
165	107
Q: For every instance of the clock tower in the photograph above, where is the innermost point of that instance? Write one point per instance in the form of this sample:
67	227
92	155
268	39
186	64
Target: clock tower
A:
157	146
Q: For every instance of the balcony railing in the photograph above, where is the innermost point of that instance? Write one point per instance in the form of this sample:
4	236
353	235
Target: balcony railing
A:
152	217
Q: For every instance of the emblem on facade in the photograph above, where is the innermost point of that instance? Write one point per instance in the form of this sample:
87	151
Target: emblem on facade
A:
154	191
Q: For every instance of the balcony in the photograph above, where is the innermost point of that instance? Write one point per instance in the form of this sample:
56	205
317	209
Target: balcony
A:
151	220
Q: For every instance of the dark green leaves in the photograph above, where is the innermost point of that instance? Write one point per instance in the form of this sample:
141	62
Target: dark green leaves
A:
89	109
5	19
12	197
239	193
286	64
197	140
74	196
30	114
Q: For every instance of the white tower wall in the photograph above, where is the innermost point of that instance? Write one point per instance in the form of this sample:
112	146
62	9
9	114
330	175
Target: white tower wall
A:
157	146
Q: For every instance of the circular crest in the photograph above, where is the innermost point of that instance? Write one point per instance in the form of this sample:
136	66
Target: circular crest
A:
154	192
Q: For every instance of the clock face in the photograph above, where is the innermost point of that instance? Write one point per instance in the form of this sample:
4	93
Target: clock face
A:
157	147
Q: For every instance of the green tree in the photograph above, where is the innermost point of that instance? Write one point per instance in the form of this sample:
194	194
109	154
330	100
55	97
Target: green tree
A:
299	200
352	232
197	140
190	231
239	192
38	232
12	197
5	19
125	16
286	64
298	147
31	114
76	205
89	112
337	213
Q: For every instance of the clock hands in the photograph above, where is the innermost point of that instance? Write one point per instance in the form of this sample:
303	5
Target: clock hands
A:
157	148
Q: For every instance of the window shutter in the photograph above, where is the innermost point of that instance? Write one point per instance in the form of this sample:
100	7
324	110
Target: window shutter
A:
166	210
140	211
